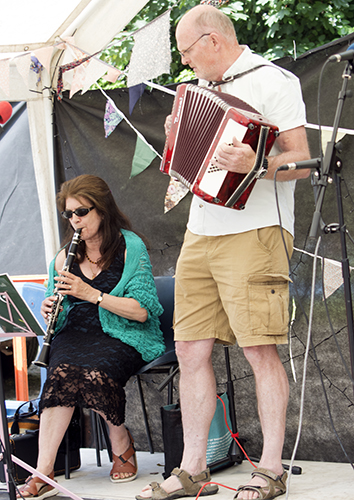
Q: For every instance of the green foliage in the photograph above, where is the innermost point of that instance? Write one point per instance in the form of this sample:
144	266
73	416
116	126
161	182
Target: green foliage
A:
278	28
272	28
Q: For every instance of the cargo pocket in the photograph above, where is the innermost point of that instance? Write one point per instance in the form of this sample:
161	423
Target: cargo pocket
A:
269	303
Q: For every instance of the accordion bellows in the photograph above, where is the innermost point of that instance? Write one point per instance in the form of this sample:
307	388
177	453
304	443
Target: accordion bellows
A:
201	120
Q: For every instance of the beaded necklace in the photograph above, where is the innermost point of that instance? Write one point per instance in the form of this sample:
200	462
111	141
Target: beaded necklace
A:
91	262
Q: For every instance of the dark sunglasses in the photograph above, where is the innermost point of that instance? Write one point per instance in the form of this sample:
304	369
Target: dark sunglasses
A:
80	212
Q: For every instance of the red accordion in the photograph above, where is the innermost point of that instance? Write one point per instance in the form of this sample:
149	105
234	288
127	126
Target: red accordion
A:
201	120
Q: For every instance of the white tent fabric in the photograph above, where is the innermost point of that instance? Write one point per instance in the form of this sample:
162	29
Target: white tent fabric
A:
29	26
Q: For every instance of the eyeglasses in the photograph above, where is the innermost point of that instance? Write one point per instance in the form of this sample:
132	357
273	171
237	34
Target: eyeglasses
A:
183	54
80	212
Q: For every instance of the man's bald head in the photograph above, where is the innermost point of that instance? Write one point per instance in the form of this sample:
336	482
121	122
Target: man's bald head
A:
207	42
205	19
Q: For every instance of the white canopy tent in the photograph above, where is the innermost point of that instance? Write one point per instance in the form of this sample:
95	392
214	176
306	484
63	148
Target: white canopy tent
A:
29	26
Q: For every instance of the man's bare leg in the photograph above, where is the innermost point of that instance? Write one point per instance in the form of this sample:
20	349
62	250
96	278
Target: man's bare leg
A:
272	388
198	403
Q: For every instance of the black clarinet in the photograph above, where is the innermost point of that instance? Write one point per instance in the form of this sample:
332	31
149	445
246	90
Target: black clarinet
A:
43	358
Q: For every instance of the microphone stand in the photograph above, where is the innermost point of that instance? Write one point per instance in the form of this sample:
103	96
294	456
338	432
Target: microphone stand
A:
332	165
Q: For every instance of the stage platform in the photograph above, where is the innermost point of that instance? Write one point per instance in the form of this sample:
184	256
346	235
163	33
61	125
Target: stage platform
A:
318	480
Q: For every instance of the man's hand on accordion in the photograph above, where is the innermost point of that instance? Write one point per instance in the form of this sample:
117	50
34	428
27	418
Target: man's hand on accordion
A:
236	157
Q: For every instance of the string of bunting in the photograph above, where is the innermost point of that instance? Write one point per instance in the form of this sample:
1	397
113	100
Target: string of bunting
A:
67	67
214	3
144	152
151	56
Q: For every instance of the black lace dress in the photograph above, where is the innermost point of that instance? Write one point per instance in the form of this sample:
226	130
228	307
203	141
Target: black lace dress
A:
87	367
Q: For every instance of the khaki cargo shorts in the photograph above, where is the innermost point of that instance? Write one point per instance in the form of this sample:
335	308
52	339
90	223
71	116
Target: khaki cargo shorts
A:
234	287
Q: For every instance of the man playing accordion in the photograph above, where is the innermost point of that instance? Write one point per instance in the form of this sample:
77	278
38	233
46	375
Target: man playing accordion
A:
232	273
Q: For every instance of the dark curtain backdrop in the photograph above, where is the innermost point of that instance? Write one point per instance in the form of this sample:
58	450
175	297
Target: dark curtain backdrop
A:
81	147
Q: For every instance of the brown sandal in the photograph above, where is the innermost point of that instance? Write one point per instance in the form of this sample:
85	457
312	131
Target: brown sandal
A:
190	486
34	491
121	464
276	485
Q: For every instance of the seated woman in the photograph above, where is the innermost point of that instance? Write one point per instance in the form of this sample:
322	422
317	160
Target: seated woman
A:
108	328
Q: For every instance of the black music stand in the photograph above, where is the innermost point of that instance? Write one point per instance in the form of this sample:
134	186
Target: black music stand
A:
16	320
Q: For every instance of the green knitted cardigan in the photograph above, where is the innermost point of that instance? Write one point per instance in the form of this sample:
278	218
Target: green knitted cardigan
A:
137	282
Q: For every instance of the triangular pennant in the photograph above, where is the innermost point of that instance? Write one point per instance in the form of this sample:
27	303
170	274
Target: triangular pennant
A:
214	3
36	66
113	74
71	54
326	137
44	56
176	191
134	95
143	156
23	64
94	70
61	46
112	118
79	76
151	55
5	76
73	59
70	40
332	276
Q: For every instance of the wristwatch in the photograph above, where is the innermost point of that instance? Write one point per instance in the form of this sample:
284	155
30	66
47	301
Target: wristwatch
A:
100	298
262	172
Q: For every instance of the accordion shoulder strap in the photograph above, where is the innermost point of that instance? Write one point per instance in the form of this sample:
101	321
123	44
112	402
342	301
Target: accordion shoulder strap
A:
239	75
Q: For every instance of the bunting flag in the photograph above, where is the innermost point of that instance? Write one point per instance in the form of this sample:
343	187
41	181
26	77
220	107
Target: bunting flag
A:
23	67
77	83
113	74
332	273
326	136
44	56
37	67
151	55
332	276
73	59
95	69
69	40
67	67
143	156
176	191
87	69
214	3
327	132
144	152
5	76
112	118
134	95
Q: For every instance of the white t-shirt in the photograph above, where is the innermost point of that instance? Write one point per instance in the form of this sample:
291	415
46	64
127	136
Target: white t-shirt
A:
276	94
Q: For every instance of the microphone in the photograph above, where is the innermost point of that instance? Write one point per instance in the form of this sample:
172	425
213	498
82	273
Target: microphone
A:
348	55
301	164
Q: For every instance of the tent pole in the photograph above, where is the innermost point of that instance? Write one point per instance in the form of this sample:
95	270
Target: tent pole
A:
41	131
